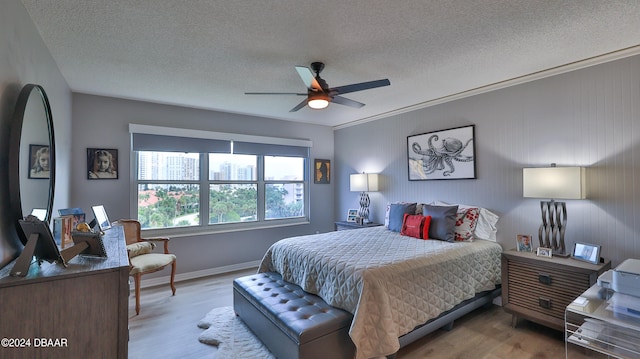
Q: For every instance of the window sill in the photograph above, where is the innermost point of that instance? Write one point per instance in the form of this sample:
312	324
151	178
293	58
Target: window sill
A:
224	228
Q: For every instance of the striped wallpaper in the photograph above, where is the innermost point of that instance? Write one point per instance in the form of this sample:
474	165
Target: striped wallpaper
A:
588	117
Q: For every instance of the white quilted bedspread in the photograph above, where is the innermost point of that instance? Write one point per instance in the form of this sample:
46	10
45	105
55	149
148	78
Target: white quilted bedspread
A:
391	283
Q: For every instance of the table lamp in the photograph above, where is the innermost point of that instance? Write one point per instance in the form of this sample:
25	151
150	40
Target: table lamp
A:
363	183
554	183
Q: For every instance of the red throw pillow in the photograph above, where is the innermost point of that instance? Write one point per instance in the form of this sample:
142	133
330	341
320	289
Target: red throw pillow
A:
412	225
425	227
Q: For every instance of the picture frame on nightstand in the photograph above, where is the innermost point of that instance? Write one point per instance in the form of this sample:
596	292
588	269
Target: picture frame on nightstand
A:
352	215
544	252
586	252
523	243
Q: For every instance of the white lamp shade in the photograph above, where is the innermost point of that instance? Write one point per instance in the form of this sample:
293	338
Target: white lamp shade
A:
363	182
554	183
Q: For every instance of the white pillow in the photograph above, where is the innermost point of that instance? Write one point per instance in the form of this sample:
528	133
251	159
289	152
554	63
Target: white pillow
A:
486	225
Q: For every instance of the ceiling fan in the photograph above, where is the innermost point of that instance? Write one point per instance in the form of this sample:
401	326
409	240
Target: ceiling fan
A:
319	94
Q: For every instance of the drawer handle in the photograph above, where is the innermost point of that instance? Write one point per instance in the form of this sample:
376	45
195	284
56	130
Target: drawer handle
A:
544	302
544	278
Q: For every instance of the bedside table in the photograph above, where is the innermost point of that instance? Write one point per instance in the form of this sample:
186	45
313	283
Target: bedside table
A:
540	288
344	225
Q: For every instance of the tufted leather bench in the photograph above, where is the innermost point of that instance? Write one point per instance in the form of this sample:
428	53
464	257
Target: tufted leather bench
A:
292	323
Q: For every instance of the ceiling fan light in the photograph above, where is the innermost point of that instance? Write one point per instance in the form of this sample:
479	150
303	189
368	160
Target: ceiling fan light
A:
318	102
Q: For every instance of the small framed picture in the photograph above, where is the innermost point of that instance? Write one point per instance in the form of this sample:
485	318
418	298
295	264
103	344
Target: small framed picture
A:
102	163
352	215
544	252
586	252
322	171
39	161
523	242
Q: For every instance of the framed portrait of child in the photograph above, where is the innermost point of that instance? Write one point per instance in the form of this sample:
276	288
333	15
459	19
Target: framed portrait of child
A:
102	163
523	242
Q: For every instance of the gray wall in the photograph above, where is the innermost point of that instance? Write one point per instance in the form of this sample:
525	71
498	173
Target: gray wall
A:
589	117
103	122
24	59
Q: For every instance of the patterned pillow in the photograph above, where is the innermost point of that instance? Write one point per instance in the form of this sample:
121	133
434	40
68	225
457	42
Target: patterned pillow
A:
466	220
485	225
412	225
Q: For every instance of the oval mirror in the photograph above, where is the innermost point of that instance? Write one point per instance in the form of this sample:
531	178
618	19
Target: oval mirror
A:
32	157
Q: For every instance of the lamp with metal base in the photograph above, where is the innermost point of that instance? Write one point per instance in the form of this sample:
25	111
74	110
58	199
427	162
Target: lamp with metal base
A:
363	183
554	183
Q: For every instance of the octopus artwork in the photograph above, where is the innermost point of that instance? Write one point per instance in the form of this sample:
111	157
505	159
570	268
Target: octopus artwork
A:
442	157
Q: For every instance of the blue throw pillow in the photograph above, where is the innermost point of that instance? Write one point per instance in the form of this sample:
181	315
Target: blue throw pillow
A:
443	221
396	214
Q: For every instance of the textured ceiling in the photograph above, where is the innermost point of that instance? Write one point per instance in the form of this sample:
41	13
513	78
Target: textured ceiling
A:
206	54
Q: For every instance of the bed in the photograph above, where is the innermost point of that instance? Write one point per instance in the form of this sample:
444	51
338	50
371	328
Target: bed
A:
392	283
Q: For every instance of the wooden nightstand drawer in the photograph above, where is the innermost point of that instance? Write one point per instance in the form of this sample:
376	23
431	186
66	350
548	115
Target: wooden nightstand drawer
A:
539	289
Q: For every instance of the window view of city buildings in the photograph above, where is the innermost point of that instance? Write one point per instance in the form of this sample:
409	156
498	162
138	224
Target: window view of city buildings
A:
170	188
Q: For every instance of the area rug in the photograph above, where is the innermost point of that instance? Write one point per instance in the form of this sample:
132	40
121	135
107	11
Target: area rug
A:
232	337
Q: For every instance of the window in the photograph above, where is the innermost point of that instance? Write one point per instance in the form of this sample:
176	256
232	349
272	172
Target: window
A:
212	188
168	189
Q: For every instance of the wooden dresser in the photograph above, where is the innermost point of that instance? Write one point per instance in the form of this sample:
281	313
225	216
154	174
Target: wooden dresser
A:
539	288
76	312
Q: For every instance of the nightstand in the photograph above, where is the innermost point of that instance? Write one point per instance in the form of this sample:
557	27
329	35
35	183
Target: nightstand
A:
344	225
540	288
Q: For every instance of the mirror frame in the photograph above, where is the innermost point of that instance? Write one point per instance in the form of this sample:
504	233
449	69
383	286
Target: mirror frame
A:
15	200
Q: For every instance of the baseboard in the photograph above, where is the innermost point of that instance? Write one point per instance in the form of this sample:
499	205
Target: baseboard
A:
164	280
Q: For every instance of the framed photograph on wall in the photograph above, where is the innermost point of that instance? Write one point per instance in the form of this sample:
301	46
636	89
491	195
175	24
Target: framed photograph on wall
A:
322	171
102	163
523	243
39	161
445	154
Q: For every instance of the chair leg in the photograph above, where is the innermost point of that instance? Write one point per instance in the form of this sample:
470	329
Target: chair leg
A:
173	274
136	278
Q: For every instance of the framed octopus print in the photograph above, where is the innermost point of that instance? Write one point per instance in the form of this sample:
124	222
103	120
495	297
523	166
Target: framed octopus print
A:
444	154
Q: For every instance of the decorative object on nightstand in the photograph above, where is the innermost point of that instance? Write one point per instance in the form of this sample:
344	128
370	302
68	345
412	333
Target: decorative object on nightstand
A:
363	183
523	243
554	183
540	288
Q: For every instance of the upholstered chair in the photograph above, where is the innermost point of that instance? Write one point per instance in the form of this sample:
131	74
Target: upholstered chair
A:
142	259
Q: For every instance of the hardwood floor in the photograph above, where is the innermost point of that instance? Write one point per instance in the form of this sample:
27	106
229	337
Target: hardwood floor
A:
167	328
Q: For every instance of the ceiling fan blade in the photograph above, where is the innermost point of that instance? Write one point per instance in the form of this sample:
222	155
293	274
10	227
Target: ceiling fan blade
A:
307	77
360	86
275	93
347	102
299	106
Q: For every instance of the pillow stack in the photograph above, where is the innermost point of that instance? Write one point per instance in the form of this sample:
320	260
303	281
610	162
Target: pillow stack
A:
451	223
